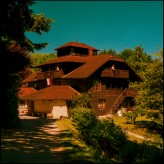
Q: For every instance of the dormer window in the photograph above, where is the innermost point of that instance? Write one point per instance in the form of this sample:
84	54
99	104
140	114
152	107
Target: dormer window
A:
72	50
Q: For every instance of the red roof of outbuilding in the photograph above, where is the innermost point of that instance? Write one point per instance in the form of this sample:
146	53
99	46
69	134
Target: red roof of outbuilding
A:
54	92
26	91
77	44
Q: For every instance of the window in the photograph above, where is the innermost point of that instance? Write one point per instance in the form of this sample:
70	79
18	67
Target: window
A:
72	50
97	86
102	104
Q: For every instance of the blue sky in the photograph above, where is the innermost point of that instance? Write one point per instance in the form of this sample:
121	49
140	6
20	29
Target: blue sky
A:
102	24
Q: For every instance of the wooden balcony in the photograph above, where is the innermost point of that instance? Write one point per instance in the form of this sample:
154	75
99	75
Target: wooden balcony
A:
114	91
49	74
118	73
117	91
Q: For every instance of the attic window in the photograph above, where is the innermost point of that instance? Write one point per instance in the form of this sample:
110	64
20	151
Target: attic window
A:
102	104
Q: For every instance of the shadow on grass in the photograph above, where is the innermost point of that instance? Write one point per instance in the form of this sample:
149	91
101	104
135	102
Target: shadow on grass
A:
73	152
38	140
151	126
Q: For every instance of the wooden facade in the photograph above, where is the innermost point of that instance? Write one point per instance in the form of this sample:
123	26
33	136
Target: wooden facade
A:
86	72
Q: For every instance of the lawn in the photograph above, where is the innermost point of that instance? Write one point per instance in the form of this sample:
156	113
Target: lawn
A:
142	127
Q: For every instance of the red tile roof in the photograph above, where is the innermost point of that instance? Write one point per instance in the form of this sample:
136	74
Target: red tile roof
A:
26	91
32	77
93	63
77	44
54	92
67	58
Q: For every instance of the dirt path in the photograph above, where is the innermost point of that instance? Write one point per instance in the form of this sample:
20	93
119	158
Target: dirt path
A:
138	136
37	140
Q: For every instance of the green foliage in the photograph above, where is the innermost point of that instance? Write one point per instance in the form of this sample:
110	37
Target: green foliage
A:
81	101
132	152
110	52
150	90
137	58
109	137
85	120
16	19
41	24
103	136
131	116
40	58
18	15
153	114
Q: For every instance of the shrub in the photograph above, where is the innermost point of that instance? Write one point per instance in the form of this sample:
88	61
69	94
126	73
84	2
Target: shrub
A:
85	121
109	137
104	136
132	152
131	116
82	101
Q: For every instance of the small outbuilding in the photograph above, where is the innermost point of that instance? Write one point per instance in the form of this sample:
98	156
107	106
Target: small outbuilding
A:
53	101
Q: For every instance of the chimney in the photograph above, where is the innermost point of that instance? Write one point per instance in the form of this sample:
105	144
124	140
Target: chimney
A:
90	52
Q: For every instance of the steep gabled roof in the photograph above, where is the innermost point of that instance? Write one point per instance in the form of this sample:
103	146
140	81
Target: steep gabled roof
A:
54	92
32	77
93	63
90	65
76	44
67	58
26	91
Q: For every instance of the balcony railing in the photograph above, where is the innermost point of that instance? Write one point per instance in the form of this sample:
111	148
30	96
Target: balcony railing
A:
117	91
114	91
49	74
118	73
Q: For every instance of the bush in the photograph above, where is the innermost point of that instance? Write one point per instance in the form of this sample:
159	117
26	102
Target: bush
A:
140	153
104	136
82	101
109	137
85	121
131	116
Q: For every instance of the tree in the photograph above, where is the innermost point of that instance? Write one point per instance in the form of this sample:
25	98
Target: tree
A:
25	73
109	52
39	58
82	101
136	58
16	18
150	90
125	54
18	15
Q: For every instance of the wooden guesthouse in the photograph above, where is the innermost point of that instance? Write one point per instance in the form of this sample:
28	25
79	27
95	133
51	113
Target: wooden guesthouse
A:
81	68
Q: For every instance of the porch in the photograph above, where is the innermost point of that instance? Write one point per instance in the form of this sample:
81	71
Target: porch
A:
117	73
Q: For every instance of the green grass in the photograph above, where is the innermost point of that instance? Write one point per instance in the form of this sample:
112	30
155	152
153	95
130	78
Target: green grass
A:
141	127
